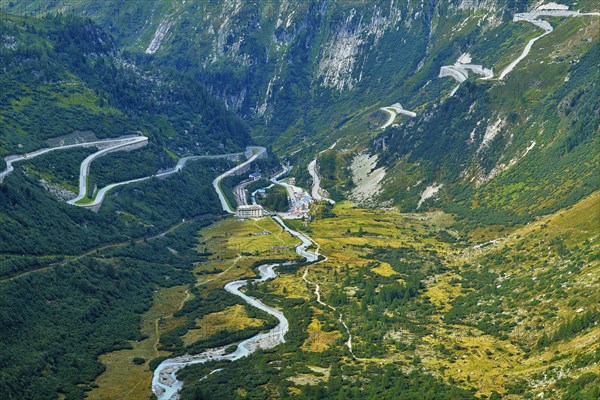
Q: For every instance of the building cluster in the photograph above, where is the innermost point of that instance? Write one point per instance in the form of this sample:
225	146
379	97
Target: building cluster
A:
300	199
302	203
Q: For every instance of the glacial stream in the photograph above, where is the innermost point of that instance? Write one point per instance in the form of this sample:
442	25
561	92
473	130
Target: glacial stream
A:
165	384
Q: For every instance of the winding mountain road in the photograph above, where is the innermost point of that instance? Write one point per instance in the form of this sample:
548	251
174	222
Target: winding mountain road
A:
540	23
314	173
84	168
533	17
257	151
121	144
394	110
290	188
101	194
460	72
112	145
316	186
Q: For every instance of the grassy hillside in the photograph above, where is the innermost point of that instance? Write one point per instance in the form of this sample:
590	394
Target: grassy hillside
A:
504	151
432	313
518	317
485	289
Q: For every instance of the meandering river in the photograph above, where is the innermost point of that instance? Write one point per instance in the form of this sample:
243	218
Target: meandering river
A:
165	384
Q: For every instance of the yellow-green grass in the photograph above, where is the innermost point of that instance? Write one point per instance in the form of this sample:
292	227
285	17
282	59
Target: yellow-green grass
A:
577	227
567	350
441	291
384	269
321	375
291	285
231	319
576	223
577	34
490	363
125	380
481	360
237	245
318	340
485	233
531	246
227	240
376	228
475	358
485	362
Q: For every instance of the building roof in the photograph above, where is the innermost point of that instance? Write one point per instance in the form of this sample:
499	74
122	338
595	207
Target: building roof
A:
249	207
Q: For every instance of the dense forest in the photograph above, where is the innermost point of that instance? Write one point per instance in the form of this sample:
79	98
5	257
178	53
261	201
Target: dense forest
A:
82	279
62	318
64	74
274	199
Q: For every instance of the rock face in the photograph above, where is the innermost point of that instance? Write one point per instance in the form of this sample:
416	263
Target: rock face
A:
160	34
337	66
367	179
266	58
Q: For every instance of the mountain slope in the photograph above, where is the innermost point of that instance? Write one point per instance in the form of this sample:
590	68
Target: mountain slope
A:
467	267
62	304
507	145
64	75
314	73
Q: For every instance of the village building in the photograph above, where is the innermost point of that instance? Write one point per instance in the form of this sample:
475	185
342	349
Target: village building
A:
249	211
255	176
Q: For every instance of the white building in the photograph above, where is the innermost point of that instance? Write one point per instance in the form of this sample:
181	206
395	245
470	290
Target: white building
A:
249	211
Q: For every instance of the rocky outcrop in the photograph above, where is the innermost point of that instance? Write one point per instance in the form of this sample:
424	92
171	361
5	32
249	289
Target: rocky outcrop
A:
367	179
339	57
159	35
